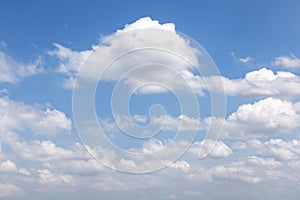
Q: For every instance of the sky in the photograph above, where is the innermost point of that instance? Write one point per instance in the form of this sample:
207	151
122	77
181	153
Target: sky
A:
149	99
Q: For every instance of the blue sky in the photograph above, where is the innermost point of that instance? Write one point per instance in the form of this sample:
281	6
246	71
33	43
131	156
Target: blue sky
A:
51	144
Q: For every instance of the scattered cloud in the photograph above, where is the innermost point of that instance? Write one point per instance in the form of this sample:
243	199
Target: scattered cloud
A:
243	60
239	145
240	157
40	122
70	62
43	151
262	118
47	177
8	166
288	62
278	148
13	71
213	149
180	164
248	170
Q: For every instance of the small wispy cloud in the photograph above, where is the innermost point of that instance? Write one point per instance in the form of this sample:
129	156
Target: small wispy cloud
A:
12	70
290	62
244	60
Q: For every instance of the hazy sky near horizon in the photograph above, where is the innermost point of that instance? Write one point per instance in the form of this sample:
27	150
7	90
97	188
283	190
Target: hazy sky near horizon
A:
48	143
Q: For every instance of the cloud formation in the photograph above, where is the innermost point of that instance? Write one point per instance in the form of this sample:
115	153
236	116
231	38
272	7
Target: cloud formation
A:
263	118
261	83
288	62
39	122
13	71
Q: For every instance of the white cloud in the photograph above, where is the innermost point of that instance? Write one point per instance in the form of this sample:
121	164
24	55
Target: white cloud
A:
45	151
289	62
82	167
10	190
238	172
151	43
239	145
260	83
250	170
47	177
8	166
128	164
161	122
208	147
263	162
243	60
12	71
18	116
70	62
263	118
147	22
278	148
24	171
153	145
180	164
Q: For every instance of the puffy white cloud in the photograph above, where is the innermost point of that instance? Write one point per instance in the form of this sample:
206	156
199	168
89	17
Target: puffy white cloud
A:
291	62
252	169
8	166
263	118
47	177
10	190
70	62
45	151
24	171
260	83
242	173
147	22
208	147
263	162
153	145
239	145
12	71
83	167
180	164
145	34
18	116
128	164
278	148
161	122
